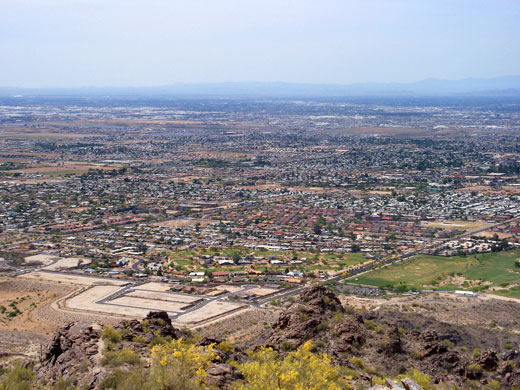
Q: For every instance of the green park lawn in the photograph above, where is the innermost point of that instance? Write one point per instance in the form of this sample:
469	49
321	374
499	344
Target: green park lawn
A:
336	262
424	271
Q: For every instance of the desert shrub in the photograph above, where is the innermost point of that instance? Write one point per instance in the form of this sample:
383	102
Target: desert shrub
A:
476	352
180	365
422	379
415	354
350	310
161	322
225	346
124	380
158	340
348	372
17	378
493	385
357	362
475	368
300	369
139	339
64	384
324	325
370	324
287	346
112	335
119	358
447	343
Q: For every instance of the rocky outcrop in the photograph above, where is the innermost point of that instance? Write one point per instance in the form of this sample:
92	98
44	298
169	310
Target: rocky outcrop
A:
488	360
156	323
311	316
511	380
406	384
73	347
391	343
222	375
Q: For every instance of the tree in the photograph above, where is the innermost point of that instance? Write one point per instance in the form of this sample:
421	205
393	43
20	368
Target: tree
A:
317	229
235	257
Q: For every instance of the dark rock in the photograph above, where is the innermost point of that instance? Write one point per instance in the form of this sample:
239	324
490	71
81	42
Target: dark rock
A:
488	360
511	380
205	341
410	384
393	385
222	375
504	368
392	341
429	336
510	355
434	348
70	346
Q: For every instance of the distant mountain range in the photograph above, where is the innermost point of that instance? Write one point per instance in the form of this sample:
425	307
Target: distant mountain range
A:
497	86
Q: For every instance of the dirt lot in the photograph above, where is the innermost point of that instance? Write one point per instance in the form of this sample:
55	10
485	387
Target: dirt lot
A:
212	309
262	291
43	258
148	304
459	225
183	222
72	279
153	286
70	262
161	296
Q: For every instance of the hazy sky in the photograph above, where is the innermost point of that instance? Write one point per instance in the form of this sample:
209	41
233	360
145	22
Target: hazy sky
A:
62	43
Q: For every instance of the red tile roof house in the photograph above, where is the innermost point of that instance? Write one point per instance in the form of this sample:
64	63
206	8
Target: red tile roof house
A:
220	274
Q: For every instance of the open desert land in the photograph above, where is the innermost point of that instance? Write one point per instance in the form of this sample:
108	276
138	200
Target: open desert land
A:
242	326
481	310
23	328
13	132
66	168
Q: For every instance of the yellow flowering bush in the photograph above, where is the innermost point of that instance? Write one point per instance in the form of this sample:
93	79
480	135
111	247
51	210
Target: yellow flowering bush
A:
299	370
181	365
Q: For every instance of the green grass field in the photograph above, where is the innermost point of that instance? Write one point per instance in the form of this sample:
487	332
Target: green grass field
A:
512	293
424	271
325	262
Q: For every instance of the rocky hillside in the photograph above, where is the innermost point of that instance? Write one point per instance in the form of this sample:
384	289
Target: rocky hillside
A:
339	345
393	344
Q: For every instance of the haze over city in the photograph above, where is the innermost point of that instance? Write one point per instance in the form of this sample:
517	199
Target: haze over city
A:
56	43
